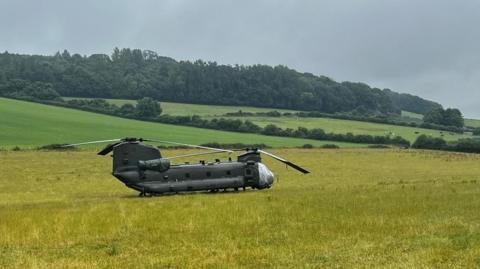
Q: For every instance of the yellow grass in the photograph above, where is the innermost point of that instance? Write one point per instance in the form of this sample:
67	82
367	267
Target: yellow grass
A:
358	208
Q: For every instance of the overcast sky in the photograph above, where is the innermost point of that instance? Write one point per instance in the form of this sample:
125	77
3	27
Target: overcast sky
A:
430	48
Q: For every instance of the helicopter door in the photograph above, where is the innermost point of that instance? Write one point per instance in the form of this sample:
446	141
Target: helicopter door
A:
249	172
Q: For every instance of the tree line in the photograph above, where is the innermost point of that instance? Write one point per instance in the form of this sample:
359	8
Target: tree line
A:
469	145
446	117
384	119
133	74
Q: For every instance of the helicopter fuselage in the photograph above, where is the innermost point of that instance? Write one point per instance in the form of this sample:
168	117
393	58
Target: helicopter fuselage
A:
142	168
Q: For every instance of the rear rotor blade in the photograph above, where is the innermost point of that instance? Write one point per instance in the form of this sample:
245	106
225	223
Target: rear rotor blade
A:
91	142
108	148
294	166
186	145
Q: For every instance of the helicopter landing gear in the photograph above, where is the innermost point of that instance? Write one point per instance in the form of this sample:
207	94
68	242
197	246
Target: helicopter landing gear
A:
235	189
213	190
145	194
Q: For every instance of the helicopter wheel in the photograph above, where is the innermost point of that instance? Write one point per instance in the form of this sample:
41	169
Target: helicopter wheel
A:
235	189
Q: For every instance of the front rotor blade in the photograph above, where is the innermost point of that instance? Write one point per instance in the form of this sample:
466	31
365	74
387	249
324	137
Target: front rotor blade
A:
108	148
91	142
294	166
194	154
186	145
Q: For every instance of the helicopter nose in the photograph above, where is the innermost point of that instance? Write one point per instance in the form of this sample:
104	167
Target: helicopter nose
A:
266	177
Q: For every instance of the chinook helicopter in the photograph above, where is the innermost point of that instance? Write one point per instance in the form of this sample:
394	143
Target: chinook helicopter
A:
143	168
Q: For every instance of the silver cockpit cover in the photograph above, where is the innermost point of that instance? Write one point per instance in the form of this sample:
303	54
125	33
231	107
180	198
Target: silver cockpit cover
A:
266	176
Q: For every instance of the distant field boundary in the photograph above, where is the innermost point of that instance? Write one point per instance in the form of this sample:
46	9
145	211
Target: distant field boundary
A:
381	120
315	134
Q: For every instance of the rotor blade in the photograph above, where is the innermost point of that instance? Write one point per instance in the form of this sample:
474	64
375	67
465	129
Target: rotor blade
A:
187	145
194	154
108	148
294	166
92	142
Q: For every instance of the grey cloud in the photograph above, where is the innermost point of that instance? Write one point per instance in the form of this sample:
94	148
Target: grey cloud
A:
426	47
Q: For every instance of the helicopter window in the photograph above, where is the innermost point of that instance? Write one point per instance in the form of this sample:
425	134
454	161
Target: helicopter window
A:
209	174
228	172
187	175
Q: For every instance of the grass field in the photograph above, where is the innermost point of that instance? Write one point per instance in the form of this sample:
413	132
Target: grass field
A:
27	124
180	109
468	122
329	125
355	127
412	115
472	123
358	208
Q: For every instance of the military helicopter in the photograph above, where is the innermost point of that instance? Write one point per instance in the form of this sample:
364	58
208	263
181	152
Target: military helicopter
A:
141	167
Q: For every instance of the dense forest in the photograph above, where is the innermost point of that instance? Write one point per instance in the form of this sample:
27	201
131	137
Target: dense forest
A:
412	103
133	74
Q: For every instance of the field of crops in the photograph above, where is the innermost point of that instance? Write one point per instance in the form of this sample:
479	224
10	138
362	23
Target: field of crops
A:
27	124
359	208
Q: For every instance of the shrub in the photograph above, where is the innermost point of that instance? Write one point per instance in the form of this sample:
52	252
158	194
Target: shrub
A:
428	142
148	108
307	146
55	147
466	145
271	129
330	146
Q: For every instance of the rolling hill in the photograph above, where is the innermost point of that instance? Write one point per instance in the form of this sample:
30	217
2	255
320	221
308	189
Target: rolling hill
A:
182	109
28	124
327	124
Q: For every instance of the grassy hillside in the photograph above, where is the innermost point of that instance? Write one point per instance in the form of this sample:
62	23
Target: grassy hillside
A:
28	124
329	125
179	109
357	209
412	115
356	127
468	122
472	123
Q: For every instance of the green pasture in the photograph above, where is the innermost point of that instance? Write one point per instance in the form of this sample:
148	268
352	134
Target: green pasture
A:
472	123
328	124
180	109
411	115
28	124
355	127
468	122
